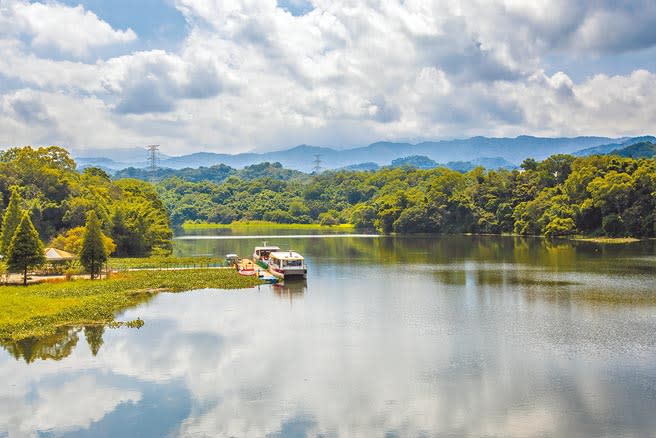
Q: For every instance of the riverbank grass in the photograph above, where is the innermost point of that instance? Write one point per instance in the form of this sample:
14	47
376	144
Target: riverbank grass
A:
264	225
607	240
38	310
162	262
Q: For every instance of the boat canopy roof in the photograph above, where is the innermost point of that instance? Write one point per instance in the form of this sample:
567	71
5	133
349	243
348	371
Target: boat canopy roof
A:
286	255
267	248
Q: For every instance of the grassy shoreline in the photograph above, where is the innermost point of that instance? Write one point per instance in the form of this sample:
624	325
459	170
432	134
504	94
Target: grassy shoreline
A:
609	240
38	310
264	225
162	262
191	226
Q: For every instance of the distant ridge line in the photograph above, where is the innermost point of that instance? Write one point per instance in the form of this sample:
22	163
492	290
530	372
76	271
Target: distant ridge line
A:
301	157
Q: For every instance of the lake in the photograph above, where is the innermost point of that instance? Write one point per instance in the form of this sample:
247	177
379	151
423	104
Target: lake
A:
390	336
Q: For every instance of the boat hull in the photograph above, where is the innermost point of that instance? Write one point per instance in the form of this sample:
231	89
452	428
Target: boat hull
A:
288	273
247	273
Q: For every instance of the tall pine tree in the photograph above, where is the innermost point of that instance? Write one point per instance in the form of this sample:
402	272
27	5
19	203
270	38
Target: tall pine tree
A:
10	220
25	249
93	253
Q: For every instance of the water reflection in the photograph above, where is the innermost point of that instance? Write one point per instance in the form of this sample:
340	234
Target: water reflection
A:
94	336
388	337
558	255
56	346
291	289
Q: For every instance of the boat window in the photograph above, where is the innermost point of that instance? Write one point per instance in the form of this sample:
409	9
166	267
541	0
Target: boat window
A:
294	263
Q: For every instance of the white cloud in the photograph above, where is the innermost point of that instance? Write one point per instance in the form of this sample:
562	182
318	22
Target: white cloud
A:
70	30
250	74
37	72
152	82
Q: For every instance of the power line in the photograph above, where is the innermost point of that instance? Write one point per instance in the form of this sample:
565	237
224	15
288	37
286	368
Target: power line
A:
317	163
153	160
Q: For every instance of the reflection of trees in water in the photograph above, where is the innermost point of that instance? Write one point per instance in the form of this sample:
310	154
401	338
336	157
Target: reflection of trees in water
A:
94	335
56	346
435	249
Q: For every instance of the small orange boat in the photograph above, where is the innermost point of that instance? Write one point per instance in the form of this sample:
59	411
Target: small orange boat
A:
246	267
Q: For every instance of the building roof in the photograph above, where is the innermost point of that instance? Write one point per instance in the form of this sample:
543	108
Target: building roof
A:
55	255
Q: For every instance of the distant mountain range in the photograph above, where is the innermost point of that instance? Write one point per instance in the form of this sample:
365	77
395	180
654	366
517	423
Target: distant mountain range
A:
512	150
610	147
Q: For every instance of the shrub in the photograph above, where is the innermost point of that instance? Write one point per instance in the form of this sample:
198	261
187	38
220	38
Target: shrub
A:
613	225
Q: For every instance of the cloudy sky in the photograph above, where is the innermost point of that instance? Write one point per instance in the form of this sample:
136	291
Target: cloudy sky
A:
240	75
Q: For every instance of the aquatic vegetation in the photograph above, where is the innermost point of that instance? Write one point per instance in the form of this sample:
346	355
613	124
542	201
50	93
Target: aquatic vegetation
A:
38	310
162	262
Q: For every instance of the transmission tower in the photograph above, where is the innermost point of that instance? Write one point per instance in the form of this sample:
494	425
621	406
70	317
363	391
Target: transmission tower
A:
317	163
153	160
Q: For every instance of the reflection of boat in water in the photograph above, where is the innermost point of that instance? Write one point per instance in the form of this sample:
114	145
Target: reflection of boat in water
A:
291	288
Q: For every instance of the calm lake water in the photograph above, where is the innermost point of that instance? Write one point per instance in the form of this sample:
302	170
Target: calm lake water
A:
389	337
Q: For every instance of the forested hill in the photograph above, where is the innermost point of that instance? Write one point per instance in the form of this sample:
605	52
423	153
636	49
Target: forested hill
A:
562	195
58	197
221	172
638	150
614	146
216	173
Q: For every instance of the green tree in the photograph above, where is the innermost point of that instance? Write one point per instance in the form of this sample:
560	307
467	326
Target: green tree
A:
25	250
93	253
560	227
613	225
529	164
10	220
330	217
363	216
72	239
612	192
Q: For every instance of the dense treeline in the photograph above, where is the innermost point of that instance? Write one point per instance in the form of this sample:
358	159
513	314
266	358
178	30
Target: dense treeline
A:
562	195
58	199
217	173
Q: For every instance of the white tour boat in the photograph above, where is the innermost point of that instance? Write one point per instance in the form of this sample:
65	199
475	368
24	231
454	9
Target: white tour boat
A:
261	254
287	264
